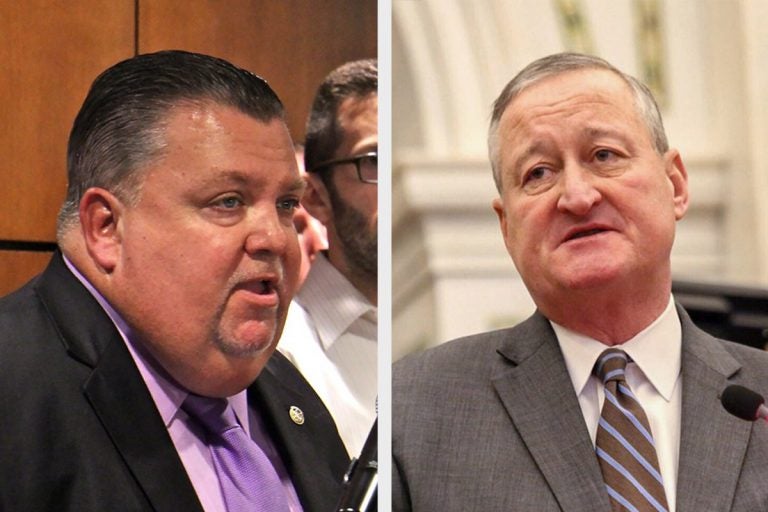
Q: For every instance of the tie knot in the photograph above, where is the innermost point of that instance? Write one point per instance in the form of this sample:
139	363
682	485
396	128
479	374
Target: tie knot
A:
215	414
611	365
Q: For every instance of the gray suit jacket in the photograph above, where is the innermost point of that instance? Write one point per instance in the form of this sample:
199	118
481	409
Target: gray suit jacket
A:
491	422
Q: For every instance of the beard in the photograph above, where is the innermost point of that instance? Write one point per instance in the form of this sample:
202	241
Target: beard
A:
359	244
222	327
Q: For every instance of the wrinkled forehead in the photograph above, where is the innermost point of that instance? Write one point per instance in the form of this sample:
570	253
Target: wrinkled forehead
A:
573	92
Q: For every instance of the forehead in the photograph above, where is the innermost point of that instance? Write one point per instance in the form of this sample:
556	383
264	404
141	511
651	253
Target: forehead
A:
213	128
566	95
202	140
358	120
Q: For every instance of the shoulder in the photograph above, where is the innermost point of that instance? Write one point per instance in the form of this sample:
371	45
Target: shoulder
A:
474	357
455	356
436	381
753	363
15	306
25	330
726	357
734	362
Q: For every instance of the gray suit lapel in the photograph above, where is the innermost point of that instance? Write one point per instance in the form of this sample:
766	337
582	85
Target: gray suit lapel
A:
549	420
712	442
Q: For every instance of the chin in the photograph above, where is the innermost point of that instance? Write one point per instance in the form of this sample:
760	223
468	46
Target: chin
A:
246	349
249	339
589	278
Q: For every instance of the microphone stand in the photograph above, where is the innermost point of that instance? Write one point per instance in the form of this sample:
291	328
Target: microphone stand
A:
360	484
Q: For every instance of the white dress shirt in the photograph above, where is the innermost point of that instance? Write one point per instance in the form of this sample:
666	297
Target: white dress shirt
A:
654	377
330	336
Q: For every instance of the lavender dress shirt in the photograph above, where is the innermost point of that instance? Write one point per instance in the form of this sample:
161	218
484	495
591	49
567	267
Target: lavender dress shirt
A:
187	436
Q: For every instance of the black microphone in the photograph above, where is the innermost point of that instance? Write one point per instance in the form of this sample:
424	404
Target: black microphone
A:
361	482
744	403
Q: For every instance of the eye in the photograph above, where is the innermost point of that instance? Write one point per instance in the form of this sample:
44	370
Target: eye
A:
288	204
536	174
604	155
228	203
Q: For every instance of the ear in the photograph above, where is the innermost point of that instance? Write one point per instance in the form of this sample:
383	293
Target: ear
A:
498	207
100	219
317	200
678	176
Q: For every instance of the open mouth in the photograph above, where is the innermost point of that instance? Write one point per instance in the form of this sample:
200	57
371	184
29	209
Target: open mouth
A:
260	287
265	287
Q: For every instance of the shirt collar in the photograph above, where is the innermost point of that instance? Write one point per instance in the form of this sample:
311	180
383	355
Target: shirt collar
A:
656	351
167	395
333	302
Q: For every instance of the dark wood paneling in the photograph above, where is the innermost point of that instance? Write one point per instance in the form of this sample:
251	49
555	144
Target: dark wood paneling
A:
293	44
51	52
54	50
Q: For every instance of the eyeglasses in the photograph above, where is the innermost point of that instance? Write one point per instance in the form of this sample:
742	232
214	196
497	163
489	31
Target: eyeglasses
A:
367	166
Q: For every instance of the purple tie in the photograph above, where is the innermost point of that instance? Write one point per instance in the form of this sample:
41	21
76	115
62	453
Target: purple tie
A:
248	480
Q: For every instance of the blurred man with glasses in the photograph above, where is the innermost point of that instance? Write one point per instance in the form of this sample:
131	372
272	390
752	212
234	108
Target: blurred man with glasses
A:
330	334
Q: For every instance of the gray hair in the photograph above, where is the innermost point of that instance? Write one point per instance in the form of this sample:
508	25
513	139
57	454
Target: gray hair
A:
559	63
119	129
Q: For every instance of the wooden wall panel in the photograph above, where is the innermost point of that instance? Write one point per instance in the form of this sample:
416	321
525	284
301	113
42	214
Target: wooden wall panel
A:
293	44
51	53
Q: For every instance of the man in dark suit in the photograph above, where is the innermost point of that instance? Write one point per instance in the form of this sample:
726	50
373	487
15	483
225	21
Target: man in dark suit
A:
515	419
178	261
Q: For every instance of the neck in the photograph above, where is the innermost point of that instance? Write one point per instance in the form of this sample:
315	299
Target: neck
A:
367	288
363	282
611	318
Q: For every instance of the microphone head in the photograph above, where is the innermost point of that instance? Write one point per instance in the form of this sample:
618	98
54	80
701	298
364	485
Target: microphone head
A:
741	402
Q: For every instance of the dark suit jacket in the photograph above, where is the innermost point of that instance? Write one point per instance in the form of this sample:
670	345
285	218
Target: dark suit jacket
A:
79	430
491	422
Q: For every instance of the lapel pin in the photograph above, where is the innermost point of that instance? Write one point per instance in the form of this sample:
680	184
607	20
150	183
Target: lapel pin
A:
296	414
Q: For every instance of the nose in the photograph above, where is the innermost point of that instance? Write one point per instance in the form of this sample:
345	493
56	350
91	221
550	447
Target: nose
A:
578	194
269	233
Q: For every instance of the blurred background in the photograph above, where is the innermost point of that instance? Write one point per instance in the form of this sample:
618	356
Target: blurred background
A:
706	63
52	50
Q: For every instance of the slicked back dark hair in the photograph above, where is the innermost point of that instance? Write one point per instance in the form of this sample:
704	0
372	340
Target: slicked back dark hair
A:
119	129
358	79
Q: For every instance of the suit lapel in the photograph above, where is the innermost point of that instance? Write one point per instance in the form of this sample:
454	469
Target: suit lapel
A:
712	442
126	409
116	391
550	423
307	448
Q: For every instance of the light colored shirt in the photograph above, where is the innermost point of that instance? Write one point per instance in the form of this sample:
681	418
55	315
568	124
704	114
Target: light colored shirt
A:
654	377
330	336
188	437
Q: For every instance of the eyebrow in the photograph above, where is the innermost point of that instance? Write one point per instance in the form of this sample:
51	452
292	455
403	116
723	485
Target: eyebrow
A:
241	178
532	149
598	131
592	132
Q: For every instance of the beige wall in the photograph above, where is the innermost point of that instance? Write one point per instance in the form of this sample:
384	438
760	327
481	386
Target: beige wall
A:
451	58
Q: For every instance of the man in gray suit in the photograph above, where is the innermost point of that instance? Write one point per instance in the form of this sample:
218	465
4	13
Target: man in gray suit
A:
589	194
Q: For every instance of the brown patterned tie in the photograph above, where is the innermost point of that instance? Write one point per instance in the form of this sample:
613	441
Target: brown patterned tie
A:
625	447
